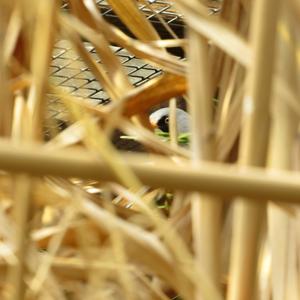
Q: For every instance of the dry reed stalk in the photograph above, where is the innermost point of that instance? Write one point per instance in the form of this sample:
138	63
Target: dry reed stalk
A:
217	56
97	277
54	196
240	20
293	273
157	293
20	83
114	67
284	91
219	32
95	68
111	163
75	268
169	43
180	217
234	14
42	236
283	134
229	127
131	16
137	102
22	205
264	270
141	245
119	255
173	123
43	270
75	133
161	20
182	257
87	11
117	77
12	33
7	233
143	50
225	103
17	272
205	210
228	114
178	250
151	244
6	9
248	216
229	123
40	58
172	103
151	140
43	40
32	263
98	142
140	100
154	92
200	94
86	242
214	178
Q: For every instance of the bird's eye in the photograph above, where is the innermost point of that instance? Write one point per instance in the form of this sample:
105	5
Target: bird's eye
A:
163	124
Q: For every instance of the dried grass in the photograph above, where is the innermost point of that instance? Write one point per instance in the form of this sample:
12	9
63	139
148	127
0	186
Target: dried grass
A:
218	219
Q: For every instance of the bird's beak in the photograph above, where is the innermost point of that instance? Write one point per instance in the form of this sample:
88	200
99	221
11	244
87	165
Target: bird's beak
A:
153	124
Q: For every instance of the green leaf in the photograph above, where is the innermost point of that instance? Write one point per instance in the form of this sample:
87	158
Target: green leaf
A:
183	138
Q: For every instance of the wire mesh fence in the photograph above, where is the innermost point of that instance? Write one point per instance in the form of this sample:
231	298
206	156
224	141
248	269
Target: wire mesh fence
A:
69	71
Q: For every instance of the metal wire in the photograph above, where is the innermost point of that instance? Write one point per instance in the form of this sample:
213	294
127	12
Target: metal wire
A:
69	71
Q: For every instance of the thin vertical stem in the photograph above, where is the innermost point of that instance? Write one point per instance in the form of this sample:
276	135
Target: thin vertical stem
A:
5	102
22	197
254	140
205	211
283	134
40	60
22	204
173	122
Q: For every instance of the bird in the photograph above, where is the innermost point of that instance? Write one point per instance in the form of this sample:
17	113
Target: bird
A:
160	119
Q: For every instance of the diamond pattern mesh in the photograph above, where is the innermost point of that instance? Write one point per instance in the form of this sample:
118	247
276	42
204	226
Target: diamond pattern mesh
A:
69	71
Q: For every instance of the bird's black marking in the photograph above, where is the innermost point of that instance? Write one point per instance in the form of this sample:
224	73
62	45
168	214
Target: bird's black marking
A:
163	124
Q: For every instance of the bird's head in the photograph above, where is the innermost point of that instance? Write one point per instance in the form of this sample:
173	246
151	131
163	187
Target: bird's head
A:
160	119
